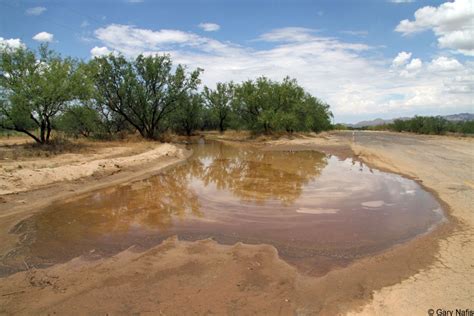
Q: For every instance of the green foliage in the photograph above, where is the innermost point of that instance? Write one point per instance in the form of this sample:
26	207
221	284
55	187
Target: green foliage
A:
80	120
265	105
35	88
219	103
188	114
434	125
339	127
144	91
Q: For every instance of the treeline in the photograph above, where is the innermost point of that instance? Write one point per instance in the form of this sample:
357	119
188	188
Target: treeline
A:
434	125
431	125
41	92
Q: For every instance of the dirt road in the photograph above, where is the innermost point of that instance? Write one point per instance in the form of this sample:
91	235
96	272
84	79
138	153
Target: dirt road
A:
203	277
446	166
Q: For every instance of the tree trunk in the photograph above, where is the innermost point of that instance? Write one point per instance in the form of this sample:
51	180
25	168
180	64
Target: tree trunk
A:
42	132
29	134
221	126
48	131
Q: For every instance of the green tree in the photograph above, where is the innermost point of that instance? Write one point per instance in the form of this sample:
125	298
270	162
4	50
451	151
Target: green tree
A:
254	103
35	88
219	101
80	120
188	114
399	125
144	91
267	105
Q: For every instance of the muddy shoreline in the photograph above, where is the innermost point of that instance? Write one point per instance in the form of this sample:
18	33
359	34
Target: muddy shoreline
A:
339	291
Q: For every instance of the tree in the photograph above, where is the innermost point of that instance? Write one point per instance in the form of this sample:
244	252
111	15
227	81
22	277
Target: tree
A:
253	100
267	105
35	89
316	115
80	120
219	102
188	114
144	91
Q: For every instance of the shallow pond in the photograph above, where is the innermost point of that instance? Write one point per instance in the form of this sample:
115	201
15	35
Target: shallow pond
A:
319	211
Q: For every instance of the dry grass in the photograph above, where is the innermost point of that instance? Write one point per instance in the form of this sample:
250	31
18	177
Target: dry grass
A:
21	148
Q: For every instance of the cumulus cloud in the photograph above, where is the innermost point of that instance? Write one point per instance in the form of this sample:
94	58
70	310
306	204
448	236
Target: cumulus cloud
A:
406	67
412	68
100	51
350	76
445	64
43	37
210	27
415	64
452	23
10	43
401	59
35	11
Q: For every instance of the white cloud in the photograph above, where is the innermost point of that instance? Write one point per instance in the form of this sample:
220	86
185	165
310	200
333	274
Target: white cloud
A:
355	33
99	51
132	41
210	27
415	64
43	37
85	23
35	11
351	77
288	34
401	59
412	68
452	23
445	64
11	43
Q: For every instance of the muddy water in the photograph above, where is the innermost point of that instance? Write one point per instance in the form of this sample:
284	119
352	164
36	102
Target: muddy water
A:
319	211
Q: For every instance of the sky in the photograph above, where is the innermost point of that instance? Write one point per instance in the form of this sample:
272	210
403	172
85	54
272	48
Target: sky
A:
366	58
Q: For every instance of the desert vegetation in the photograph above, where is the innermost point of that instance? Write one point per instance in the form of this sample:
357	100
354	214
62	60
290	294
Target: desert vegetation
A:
42	92
430	125
433	125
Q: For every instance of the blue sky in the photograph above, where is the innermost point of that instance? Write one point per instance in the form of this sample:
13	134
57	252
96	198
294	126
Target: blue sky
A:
359	56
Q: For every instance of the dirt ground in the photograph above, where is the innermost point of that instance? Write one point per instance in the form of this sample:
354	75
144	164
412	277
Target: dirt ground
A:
203	277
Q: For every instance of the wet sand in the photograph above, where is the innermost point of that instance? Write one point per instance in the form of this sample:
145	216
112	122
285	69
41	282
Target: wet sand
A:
207	277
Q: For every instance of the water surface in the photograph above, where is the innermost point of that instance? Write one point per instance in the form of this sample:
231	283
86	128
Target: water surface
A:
319	211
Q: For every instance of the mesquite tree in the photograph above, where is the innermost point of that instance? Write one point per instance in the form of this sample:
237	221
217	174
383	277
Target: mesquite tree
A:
144	91
267	105
219	102
35	88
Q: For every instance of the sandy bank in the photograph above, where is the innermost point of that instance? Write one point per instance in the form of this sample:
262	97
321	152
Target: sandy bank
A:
23	175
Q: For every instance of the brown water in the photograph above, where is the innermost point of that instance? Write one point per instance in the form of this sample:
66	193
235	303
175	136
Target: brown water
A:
317	210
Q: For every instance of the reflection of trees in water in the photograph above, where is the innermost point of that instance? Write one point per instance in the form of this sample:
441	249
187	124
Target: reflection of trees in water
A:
251	175
151	203
255	175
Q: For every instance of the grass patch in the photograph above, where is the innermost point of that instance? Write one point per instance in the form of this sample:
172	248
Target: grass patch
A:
57	146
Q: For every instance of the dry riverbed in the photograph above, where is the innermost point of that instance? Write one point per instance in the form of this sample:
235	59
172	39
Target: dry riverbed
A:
204	277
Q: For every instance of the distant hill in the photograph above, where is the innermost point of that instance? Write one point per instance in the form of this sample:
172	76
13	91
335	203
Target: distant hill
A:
461	117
